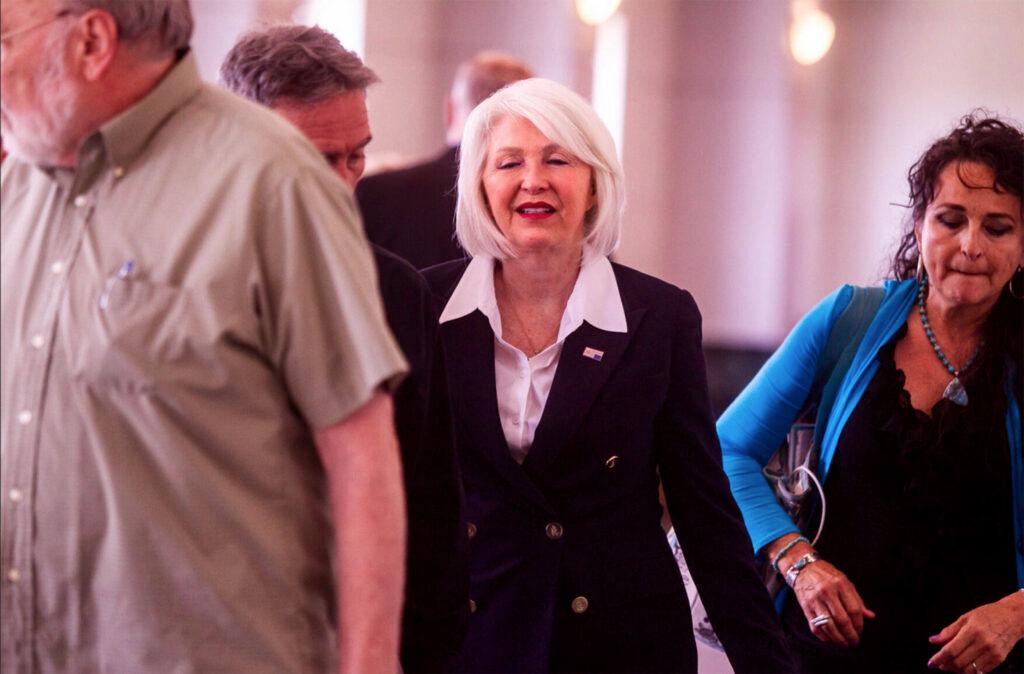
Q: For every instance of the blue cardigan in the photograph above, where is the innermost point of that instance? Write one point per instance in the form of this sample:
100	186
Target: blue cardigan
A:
754	426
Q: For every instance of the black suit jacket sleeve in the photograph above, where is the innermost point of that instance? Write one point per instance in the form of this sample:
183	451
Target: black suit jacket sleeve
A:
706	519
437	595
437	582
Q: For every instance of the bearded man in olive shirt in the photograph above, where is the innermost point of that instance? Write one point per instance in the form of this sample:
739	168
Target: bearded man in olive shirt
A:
194	369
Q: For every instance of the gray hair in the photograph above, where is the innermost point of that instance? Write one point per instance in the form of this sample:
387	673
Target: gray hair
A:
566	119
305	63
166	25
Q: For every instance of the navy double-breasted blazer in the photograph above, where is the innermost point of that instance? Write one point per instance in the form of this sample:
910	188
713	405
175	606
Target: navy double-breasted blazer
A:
569	564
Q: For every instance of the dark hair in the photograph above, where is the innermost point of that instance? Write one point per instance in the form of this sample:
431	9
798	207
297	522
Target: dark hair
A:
999	145
305	63
988	140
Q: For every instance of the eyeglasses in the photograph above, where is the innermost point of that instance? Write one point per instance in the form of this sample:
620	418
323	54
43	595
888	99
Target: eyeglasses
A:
4	37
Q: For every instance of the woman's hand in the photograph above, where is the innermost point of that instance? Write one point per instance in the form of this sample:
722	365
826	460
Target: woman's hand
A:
979	640
824	590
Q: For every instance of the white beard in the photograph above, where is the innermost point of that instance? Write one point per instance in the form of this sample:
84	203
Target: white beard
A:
22	145
43	136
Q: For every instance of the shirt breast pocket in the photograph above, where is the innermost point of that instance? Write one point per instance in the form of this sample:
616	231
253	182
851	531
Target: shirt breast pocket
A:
137	336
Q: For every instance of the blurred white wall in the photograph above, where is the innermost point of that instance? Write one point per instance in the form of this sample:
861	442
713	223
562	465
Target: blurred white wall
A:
705	158
756	183
219	22
403	45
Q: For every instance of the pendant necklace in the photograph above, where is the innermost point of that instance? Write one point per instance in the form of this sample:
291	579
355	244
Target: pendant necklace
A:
955	390
532	349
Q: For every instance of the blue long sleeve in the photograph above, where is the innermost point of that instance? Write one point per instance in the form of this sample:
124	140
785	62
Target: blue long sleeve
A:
756	423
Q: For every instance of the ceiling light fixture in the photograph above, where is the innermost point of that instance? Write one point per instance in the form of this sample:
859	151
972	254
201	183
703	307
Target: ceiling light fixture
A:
811	33
596	12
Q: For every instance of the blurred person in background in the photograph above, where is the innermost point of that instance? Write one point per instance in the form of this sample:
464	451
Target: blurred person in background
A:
199	467
305	75
411	211
575	383
920	561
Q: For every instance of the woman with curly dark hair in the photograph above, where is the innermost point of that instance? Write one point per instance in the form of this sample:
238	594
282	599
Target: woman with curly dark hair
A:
920	562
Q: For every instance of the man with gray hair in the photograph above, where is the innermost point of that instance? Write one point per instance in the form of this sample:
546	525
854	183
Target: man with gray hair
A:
304	74
411	211
194	369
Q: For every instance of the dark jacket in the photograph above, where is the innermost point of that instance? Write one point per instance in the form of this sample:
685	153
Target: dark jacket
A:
437	581
411	211
569	566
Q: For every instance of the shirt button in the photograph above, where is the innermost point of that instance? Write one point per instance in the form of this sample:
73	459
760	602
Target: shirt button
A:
472	606
15	495
612	460
81	200
554	530
37	341
471	530
57	268
580	604
13	575
522	374
515	421
24	417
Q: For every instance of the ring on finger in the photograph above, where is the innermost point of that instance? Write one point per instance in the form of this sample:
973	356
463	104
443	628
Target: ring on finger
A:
823	619
975	666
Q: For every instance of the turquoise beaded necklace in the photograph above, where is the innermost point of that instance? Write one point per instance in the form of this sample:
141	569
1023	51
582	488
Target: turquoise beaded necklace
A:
955	390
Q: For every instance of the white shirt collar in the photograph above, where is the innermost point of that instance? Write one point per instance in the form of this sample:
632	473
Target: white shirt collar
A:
595	297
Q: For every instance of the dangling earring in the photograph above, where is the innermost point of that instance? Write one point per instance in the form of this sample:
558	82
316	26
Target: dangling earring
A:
1009	286
920	269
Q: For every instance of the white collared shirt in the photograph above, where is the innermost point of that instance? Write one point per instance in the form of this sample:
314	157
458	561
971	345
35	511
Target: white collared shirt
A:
523	383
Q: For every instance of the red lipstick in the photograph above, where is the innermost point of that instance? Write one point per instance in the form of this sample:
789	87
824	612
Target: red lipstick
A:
535	210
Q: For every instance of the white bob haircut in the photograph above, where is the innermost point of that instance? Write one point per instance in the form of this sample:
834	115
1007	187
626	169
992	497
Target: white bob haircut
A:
567	120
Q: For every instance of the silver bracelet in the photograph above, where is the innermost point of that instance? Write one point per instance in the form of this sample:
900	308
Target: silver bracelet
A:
794	571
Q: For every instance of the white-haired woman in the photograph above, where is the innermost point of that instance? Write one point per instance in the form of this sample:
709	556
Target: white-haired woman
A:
576	383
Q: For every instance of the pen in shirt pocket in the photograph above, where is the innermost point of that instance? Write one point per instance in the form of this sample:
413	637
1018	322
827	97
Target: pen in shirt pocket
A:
124	273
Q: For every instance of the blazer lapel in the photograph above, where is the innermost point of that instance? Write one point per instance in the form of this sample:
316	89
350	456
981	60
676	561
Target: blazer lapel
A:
470	353
588	358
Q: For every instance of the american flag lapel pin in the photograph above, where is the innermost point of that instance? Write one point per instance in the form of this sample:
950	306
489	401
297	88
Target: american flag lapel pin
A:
593	354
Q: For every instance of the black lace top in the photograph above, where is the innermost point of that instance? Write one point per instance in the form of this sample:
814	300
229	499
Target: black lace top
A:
919	517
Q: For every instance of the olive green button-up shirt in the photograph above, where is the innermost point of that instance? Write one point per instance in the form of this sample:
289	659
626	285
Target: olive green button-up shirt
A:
179	313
